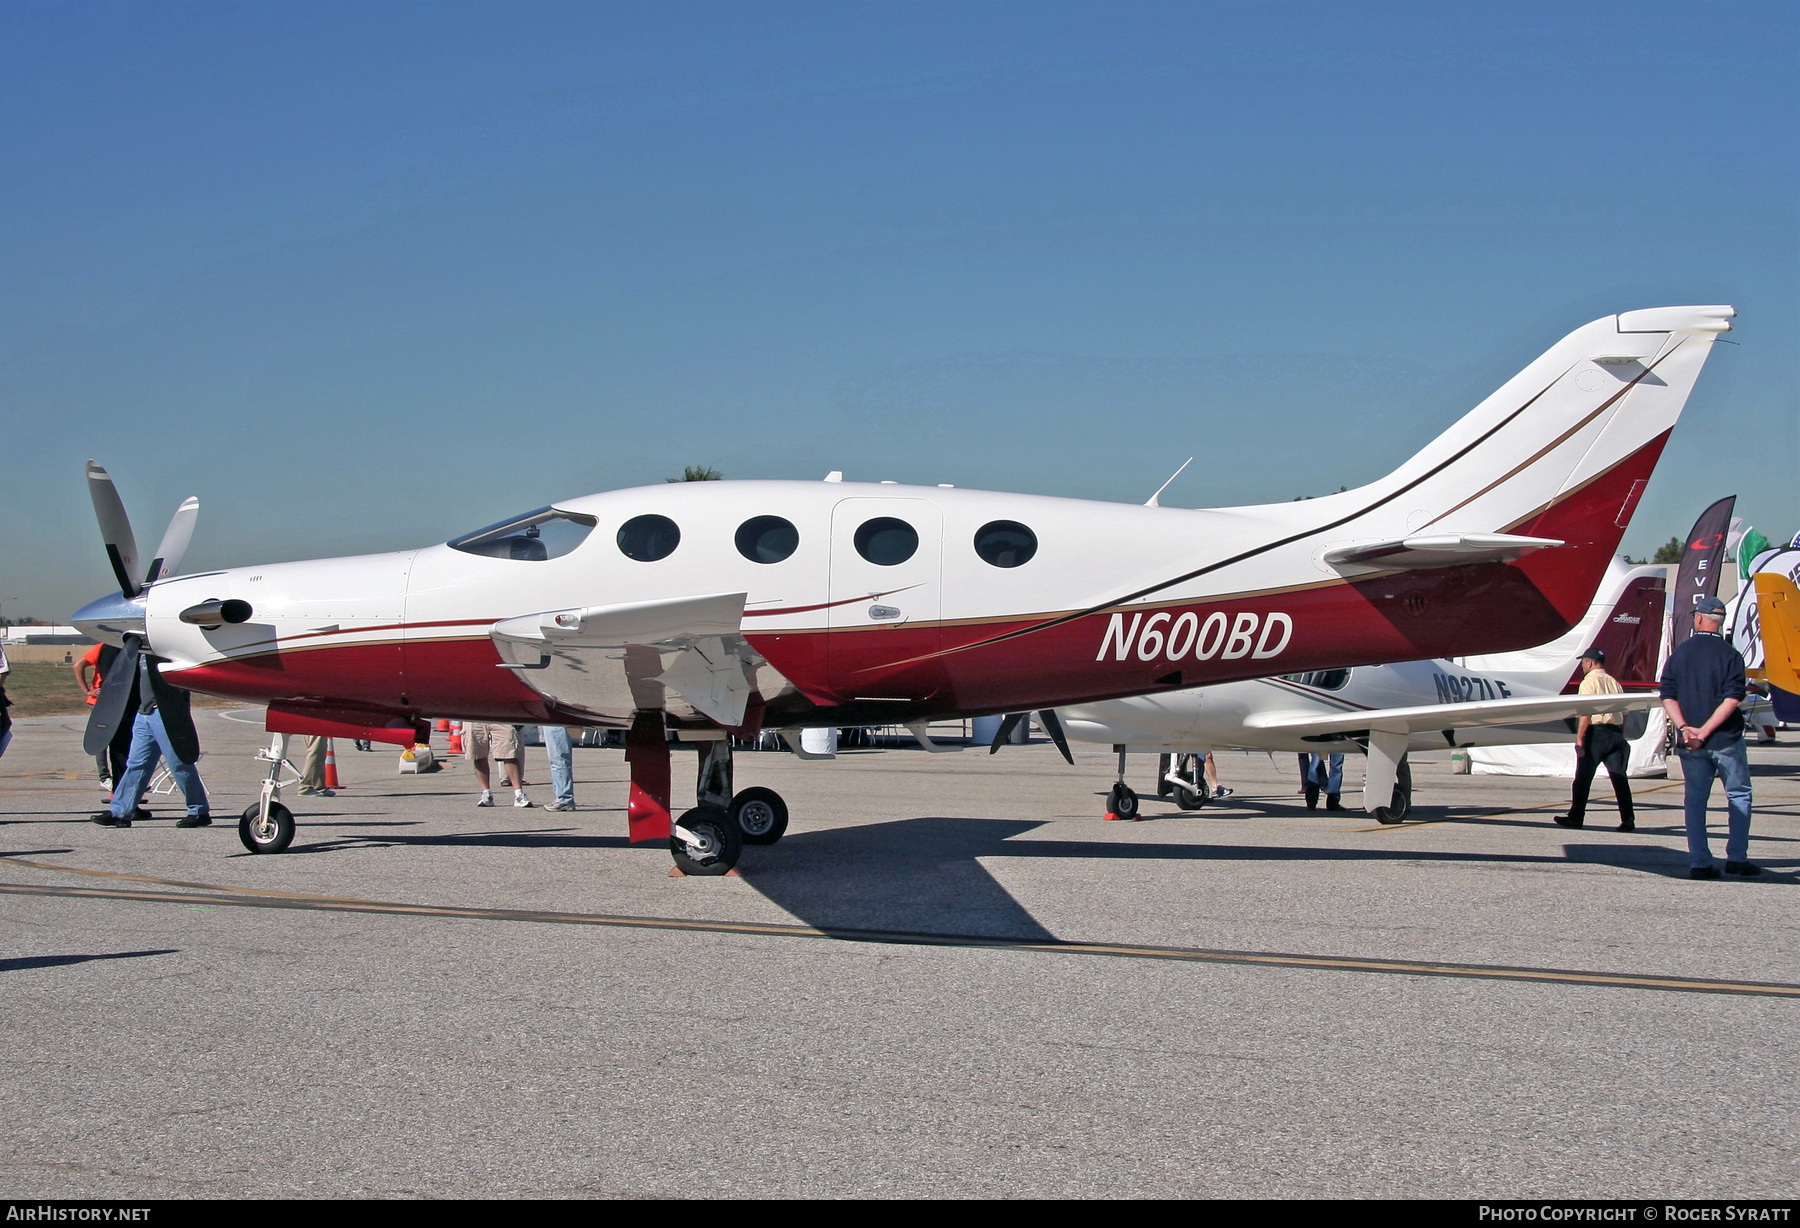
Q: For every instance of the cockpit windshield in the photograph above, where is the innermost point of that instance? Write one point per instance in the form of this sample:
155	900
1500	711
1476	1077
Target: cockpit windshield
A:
548	533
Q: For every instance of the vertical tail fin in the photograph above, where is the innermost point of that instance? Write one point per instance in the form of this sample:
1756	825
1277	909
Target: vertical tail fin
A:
1562	451
1631	633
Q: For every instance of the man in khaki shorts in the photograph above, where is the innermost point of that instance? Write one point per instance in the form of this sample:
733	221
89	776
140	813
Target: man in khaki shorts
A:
1599	739
499	742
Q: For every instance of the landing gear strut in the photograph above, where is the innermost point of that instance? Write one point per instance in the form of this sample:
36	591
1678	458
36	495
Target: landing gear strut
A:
759	814
1121	802
1401	805
267	825
1184	778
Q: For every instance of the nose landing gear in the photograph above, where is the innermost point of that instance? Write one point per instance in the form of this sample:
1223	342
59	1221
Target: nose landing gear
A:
267	826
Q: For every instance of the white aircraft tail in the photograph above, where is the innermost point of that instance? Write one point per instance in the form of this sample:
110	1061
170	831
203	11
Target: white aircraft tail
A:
1547	471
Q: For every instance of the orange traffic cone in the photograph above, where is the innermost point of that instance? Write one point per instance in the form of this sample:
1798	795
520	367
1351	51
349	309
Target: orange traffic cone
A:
443	726
456	738
331	776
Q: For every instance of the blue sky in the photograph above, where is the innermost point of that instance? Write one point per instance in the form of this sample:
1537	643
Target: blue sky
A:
366	276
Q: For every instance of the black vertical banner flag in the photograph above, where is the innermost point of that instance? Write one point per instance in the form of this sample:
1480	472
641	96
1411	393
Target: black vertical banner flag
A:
1699	574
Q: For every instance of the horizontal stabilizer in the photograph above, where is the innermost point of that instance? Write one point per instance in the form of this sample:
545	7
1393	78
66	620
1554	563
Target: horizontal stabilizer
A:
1427	718
1437	550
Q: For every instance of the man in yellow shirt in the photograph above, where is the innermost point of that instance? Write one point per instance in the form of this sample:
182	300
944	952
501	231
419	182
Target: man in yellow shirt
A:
1599	739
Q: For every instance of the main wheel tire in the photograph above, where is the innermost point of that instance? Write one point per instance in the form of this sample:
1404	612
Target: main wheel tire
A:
721	843
1189	799
276	837
760	814
1122	802
1401	805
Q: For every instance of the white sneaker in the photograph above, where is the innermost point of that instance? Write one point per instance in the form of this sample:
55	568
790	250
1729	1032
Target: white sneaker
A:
520	801
486	799
560	806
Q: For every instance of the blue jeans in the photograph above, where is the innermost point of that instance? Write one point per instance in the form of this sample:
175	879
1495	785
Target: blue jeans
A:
1331	781
1732	766
562	762
149	744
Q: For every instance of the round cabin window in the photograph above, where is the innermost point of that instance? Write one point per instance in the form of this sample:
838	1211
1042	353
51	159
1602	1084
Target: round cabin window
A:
648	538
886	542
1005	543
767	539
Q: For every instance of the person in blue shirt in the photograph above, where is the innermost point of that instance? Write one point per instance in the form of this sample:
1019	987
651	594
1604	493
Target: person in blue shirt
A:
1702	686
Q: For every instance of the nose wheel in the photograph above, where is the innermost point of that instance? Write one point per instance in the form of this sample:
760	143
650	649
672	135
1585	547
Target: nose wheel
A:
270	833
267	825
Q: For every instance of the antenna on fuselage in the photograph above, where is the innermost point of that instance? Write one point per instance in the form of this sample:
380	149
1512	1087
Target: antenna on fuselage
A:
1152	502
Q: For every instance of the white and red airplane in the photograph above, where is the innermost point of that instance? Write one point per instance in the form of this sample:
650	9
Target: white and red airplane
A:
1387	711
708	607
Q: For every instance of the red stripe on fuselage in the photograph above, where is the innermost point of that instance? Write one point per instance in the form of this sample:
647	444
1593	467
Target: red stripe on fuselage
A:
893	672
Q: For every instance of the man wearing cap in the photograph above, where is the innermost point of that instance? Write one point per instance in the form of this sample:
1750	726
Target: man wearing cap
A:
1702	686
1599	739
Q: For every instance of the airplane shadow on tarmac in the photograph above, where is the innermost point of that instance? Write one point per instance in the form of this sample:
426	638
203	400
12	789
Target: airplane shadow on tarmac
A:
57	961
924	875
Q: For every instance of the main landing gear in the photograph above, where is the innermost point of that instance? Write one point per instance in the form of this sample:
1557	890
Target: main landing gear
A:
709	839
1182	777
1121	802
1401	804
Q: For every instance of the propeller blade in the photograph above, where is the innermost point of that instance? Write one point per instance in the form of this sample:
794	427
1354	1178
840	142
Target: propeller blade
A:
174	541
114	707
115	528
177	716
1006	729
1053	727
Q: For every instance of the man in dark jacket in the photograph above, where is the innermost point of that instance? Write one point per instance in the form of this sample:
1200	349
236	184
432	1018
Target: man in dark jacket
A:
1702	686
151	743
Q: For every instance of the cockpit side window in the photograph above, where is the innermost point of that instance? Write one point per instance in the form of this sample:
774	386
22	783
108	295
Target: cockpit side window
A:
1321	679
548	533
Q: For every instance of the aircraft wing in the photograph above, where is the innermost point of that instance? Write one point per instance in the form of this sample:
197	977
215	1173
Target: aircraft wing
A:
613	660
1428	718
1438	550
1778	610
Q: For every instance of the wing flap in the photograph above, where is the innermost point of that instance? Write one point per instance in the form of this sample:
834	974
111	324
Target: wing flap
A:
613	660
1519	710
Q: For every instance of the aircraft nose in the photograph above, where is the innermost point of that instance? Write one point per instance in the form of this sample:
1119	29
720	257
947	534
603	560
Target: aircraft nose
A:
111	618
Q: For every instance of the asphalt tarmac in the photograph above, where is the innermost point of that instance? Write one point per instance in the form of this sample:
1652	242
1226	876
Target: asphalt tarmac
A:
951	978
